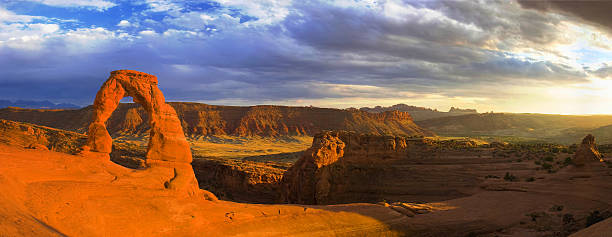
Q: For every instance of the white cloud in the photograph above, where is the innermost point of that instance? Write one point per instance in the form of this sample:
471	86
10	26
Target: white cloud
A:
99	5
9	16
26	36
147	33
199	20
91	40
124	23
163	5
266	11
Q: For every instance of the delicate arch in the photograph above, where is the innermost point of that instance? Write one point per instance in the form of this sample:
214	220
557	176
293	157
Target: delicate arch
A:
167	142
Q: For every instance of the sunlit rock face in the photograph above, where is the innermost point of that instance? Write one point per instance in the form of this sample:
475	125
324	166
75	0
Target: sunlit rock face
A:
167	145
343	167
587	152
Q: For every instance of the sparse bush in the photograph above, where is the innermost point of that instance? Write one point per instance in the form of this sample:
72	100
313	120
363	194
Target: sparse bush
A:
593	218
546	166
510	177
535	215
549	158
530	179
568	161
556	208
491	177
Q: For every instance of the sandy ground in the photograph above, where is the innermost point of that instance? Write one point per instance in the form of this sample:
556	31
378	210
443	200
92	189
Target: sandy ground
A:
45	193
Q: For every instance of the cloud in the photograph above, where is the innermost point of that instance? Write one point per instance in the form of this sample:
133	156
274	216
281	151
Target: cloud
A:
328	51
266	11
7	16
100	5
594	12
124	23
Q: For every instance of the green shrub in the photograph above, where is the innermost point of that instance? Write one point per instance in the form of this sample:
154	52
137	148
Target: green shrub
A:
530	179
568	161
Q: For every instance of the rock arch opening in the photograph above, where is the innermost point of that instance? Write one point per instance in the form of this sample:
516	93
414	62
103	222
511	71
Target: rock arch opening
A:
167	142
168	150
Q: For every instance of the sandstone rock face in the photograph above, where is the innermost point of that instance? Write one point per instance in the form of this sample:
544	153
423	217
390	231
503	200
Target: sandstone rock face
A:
167	144
587	152
200	120
239	181
343	167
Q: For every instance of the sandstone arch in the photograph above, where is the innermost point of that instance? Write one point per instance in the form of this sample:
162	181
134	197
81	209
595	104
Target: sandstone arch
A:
167	147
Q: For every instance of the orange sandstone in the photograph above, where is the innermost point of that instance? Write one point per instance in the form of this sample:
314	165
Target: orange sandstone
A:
168	148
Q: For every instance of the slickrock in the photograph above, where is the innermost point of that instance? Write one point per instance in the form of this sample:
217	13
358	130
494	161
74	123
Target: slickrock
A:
587	152
167	149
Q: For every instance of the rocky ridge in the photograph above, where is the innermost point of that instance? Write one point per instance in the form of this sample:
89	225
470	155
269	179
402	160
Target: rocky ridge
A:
40	137
200	120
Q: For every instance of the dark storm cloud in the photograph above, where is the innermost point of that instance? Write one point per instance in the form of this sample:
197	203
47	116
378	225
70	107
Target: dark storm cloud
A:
597	12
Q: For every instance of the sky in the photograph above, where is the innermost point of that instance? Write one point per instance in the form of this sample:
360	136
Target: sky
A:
528	56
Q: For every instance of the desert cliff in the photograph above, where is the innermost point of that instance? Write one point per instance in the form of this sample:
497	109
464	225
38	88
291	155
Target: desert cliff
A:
200	120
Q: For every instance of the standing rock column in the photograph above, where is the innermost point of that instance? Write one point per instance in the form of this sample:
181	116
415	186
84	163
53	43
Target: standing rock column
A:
587	152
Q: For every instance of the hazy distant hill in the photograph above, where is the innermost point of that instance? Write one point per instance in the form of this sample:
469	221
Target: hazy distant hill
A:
420	113
30	104
205	120
548	127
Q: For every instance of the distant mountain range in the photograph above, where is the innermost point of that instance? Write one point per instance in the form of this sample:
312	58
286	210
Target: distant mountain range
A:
31	104
420	113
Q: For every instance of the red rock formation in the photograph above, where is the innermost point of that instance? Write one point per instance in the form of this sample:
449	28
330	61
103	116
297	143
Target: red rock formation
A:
240	181
40	137
587	152
167	144
210	120
339	163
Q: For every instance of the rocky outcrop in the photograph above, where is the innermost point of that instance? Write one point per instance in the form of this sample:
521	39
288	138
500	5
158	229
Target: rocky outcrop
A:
239	181
200	120
587	152
167	147
343	167
39	137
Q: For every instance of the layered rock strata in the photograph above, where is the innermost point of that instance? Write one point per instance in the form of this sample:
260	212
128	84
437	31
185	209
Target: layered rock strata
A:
343	167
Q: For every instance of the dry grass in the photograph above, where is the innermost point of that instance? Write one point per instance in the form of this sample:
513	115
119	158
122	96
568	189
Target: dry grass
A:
233	147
